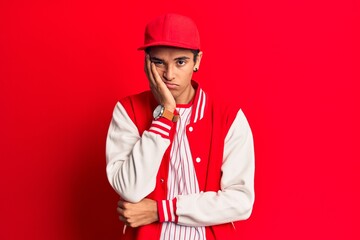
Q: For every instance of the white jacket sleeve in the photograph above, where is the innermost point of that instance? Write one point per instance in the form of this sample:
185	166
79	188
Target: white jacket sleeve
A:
132	161
235	199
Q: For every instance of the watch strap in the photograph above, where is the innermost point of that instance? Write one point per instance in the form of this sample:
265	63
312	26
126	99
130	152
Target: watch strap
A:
170	115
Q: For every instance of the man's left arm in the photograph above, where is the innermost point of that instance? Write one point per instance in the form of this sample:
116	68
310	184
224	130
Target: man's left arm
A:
235	200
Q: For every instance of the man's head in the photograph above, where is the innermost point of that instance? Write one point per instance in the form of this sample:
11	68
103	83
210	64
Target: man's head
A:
173	44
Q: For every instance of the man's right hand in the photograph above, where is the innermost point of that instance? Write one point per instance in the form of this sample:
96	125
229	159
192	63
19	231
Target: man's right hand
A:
138	214
158	87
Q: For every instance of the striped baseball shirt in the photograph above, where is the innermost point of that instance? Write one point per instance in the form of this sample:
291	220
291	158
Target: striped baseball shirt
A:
182	180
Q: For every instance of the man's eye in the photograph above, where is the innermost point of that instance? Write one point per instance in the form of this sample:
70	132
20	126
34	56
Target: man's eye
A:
181	62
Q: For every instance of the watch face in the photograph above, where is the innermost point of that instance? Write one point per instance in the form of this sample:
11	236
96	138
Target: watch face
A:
158	111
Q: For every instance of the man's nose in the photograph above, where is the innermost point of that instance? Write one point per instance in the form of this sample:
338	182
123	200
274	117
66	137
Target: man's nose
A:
169	73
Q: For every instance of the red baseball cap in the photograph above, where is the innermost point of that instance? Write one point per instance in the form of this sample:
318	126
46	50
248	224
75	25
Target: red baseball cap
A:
172	30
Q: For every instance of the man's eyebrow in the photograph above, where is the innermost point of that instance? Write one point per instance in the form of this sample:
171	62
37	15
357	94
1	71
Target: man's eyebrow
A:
181	58
155	59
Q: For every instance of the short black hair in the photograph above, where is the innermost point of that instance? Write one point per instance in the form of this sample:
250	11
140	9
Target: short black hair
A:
194	51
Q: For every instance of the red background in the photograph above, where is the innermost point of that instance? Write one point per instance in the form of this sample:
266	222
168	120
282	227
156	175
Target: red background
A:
293	65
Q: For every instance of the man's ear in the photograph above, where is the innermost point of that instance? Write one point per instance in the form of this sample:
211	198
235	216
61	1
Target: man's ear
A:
198	61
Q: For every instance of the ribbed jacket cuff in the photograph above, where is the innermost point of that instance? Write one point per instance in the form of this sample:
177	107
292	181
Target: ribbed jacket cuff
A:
167	210
161	126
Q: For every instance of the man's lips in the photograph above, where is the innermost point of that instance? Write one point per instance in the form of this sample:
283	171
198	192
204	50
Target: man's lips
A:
171	85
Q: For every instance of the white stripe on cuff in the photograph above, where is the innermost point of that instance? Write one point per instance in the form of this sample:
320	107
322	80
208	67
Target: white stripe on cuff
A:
166	217
155	129
172	210
162	124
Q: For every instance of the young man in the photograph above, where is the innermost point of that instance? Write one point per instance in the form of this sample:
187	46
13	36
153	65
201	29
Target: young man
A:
181	161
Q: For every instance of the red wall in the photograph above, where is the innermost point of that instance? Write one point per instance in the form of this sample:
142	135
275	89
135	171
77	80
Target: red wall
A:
292	64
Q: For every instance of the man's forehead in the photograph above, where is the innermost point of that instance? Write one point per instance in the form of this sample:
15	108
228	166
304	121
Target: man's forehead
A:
164	50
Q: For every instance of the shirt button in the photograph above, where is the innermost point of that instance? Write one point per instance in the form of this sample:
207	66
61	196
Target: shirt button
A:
191	129
198	160
162	180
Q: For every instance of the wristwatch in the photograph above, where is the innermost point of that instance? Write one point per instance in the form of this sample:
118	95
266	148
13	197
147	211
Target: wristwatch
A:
160	111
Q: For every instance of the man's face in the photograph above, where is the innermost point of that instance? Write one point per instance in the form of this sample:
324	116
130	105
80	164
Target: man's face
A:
175	67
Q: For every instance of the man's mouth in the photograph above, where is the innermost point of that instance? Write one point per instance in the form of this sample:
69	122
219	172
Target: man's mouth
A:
171	85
